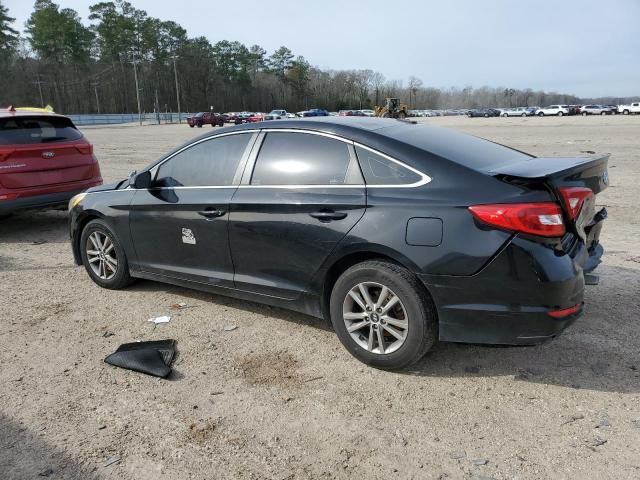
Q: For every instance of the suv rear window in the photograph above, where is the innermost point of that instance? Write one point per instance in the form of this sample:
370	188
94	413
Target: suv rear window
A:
24	130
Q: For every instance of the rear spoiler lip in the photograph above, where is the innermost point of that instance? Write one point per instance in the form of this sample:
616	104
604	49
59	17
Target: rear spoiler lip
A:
540	167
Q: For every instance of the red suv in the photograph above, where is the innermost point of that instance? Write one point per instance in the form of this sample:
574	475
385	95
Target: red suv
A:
205	118
44	161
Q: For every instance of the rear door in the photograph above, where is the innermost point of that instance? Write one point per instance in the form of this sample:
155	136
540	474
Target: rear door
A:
179	225
42	150
299	197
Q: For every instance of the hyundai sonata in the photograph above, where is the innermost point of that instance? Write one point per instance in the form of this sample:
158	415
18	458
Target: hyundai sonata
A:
400	234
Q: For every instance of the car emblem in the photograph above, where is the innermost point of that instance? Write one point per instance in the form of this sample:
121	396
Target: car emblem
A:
48	154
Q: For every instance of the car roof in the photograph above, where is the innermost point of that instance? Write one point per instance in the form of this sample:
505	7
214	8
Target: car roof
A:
6	113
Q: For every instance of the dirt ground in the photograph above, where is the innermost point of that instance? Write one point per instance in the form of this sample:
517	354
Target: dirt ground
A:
278	397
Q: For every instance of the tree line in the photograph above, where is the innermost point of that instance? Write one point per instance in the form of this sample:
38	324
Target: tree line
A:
79	68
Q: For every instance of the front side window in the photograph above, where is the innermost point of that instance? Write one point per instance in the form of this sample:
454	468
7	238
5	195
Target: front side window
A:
288	158
379	170
213	162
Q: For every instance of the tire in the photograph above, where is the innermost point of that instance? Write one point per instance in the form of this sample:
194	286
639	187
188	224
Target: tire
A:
523	115
584	114
560	114
199	125
625	112
541	114
221	124
414	309
402	115
603	113
113	280
486	115
505	115
190	126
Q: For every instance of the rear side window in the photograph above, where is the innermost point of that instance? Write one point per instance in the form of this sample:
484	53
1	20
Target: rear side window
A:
26	130
213	162
287	158
380	170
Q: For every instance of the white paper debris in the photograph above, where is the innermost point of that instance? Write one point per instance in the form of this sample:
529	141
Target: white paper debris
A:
162	319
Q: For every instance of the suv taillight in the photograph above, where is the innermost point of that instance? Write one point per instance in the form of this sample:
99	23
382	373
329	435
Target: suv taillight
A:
543	219
574	198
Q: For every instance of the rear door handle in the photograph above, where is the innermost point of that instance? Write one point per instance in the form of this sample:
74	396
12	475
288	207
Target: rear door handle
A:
210	213
328	215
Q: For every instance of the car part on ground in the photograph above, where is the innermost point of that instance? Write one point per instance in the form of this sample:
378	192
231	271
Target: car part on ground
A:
153	357
476	241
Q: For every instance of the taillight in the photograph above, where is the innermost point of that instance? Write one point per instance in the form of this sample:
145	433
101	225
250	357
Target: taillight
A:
86	149
574	198
543	219
565	312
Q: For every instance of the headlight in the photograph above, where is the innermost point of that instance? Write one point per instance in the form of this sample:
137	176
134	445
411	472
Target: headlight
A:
76	199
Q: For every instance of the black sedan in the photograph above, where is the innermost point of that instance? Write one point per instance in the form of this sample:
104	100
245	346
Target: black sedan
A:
400	234
484	112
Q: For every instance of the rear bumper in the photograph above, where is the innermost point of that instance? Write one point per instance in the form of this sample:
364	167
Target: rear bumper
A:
508	301
51	200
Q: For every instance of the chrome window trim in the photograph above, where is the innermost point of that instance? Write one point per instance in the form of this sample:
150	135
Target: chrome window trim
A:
245	183
424	177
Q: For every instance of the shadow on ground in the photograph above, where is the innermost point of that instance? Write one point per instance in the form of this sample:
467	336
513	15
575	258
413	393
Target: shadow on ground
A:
24	455
35	226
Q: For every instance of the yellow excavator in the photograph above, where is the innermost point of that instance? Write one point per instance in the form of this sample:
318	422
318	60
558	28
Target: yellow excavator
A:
392	109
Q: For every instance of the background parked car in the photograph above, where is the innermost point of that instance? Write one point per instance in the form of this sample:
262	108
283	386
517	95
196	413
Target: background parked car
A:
518	112
631	108
256	117
44	161
558	110
484	112
351	113
595	110
316	112
368	113
206	118
276	115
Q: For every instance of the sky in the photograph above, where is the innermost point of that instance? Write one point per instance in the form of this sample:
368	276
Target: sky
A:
589	48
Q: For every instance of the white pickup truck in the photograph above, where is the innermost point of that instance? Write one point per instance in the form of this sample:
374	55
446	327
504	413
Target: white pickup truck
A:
627	109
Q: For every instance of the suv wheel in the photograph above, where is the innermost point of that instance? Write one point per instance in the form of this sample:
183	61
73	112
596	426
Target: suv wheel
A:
103	257
560	114
382	315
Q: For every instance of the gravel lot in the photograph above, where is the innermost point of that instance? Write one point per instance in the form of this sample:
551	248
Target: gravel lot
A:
279	397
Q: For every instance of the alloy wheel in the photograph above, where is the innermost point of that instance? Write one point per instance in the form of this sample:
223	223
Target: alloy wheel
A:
375	318
101	255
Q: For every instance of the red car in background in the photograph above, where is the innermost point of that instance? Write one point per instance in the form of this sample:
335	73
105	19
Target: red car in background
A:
44	161
256	117
206	118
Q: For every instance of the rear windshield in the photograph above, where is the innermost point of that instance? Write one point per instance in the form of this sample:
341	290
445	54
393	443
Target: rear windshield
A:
23	130
472	152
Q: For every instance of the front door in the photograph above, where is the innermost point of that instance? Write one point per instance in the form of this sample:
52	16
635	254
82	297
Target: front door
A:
304	194
179	226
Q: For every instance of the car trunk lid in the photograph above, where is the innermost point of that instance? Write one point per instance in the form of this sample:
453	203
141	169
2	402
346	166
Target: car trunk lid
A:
567	178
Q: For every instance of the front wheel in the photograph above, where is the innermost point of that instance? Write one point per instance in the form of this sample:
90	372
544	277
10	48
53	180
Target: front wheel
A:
523	115
402	115
103	257
603	113
584	114
505	115
560	114
382	315
541	114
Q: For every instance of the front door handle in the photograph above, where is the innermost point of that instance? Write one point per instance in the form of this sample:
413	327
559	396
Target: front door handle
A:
328	215
210	213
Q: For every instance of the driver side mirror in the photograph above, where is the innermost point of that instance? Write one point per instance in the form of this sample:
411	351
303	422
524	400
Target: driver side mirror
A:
142	180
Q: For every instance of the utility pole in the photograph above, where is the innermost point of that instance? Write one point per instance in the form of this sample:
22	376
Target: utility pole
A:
157	108
95	90
39	83
175	72
135	75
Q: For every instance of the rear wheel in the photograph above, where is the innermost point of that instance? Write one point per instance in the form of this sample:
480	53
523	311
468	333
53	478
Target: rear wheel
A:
402	115
382	315
584	114
191	126
603	113
560	114
625	112
199	125
103	257
505	114
541	114
523	115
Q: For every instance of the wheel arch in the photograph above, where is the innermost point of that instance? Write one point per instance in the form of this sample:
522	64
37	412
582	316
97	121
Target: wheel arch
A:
81	222
344	260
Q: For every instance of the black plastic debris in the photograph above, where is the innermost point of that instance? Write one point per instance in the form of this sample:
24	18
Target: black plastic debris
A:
153	358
